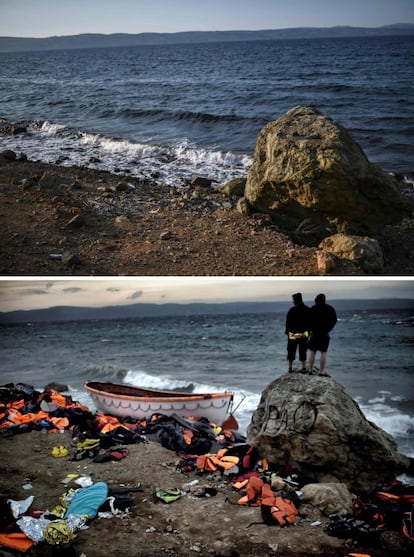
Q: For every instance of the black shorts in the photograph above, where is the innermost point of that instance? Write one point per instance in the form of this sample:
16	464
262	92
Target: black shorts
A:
293	344
319	341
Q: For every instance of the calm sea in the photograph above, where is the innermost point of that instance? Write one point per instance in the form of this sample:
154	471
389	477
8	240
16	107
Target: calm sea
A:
371	354
168	112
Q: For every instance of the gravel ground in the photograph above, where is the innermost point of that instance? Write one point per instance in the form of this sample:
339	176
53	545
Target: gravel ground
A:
76	221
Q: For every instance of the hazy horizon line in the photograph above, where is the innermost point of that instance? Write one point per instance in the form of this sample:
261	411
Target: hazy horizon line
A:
238	30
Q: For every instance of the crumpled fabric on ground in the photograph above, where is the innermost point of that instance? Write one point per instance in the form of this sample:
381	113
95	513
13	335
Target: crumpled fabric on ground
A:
86	501
57	533
33	527
65	500
77	506
63	531
20	507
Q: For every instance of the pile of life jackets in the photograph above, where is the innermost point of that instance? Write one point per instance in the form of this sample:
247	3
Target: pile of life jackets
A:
23	408
276	507
390	507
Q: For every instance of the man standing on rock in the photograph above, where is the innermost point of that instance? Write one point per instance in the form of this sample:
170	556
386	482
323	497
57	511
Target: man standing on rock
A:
322	320
297	331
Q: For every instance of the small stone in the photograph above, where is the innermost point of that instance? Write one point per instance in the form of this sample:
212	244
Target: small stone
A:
263	220
8	155
28	183
150	530
243	207
200	181
121	186
76	222
121	221
234	187
70	259
47	180
166	235
61	159
326	262
13	129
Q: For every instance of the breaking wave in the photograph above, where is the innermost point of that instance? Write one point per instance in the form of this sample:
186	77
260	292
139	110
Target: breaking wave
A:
389	412
244	402
164	164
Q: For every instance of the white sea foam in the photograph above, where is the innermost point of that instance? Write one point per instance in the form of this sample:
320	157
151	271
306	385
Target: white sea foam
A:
51	128
399	425
164	382
163	164
82	396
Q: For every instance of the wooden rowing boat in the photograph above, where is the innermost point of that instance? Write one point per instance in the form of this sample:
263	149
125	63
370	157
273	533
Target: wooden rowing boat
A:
138	403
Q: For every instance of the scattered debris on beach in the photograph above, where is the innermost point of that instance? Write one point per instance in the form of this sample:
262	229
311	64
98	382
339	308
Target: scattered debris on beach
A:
68	473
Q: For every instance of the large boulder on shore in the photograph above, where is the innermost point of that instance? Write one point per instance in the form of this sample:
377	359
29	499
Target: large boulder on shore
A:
305	166
312	424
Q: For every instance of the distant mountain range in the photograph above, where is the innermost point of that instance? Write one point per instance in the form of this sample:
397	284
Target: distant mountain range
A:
98	40
69	313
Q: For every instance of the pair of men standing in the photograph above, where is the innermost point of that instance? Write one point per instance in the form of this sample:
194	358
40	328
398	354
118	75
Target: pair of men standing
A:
309	328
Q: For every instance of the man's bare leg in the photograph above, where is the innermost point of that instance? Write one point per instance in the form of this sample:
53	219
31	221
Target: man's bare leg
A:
311	360
322	363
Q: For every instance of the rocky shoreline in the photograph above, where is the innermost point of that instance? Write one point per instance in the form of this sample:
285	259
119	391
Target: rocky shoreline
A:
76	221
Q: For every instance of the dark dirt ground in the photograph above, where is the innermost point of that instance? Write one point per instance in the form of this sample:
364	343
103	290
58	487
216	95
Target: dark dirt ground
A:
190	526
77	221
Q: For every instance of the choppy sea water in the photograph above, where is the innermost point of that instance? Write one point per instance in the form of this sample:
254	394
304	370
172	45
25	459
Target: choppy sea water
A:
171	112
371	354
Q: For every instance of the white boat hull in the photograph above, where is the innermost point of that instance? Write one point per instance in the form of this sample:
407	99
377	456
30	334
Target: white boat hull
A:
213	406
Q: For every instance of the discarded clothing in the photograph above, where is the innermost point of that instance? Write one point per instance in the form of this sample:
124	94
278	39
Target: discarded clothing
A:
86	501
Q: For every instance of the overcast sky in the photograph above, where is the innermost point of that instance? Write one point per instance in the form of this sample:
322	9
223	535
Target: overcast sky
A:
96	292
42	18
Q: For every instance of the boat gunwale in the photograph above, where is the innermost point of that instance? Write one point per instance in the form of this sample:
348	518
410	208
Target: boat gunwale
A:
156	396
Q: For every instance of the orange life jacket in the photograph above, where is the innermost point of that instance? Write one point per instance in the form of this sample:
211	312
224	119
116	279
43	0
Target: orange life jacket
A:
17	541
58	398
393	498
213	462
259	493
60	423
283	510
253	491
